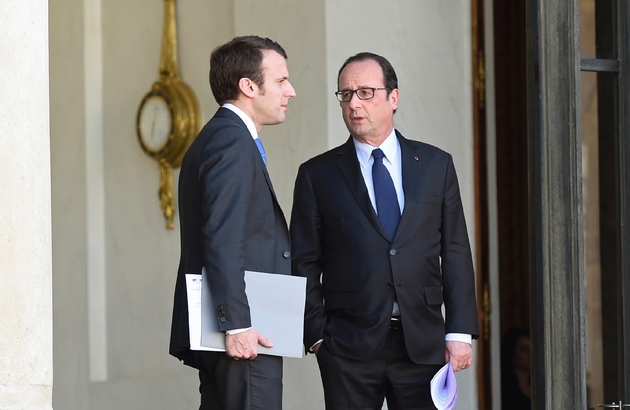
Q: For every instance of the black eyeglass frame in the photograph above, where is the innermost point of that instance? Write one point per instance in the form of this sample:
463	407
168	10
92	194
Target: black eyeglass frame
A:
340	93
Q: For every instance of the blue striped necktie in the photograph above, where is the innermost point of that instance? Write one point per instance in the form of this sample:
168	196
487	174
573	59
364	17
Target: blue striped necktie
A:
385	195
261	149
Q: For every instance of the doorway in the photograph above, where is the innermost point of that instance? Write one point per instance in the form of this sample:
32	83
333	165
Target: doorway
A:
603	354
604	92
509	184
513	217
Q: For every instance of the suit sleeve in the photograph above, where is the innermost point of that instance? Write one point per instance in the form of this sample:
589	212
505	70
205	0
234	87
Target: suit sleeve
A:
458	277
226	178
306	254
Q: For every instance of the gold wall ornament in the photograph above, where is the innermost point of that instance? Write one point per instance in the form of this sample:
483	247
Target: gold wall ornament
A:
167	198
168	116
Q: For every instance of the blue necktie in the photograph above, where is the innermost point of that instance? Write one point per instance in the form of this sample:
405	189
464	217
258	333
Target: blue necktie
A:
261	149
385	195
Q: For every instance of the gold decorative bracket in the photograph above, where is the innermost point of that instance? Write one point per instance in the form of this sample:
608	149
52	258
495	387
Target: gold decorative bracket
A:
167	197
182	110
169	68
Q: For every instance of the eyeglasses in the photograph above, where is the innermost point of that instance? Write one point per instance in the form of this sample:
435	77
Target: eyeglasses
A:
362	94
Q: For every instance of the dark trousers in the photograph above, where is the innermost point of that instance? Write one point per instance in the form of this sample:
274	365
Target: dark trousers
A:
364	384
228	384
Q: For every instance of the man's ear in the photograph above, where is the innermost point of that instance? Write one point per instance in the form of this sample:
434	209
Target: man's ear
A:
393	98
248	87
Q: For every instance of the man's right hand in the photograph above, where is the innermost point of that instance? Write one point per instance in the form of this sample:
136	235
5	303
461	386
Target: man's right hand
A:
244	345
316	347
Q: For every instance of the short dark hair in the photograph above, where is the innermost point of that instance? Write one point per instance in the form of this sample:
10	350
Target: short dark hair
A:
389	75
239	58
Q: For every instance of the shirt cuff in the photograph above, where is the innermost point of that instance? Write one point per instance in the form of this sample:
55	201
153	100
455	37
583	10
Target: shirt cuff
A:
310	350
459	337
235	331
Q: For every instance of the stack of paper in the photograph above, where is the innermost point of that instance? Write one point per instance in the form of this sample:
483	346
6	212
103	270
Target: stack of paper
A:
444	388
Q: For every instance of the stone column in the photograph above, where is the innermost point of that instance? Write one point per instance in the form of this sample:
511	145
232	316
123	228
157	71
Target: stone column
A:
556	234
25	208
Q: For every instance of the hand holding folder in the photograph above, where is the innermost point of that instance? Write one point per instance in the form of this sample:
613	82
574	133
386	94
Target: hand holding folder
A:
276	307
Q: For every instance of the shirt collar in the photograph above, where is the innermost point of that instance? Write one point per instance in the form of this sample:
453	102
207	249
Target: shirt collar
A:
389	148
243	116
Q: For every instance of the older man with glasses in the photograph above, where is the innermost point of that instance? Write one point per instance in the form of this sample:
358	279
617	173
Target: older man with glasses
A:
378	230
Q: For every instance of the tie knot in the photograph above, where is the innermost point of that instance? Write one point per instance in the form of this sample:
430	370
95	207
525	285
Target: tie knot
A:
377	153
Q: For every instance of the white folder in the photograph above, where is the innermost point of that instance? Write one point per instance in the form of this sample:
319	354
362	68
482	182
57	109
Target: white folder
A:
276	305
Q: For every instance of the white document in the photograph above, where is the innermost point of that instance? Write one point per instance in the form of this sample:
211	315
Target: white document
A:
276	307
193	289
444	388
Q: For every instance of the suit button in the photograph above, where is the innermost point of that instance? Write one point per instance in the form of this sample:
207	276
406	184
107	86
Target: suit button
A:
286	254
220	308
392	252
390	286
222	319
221	313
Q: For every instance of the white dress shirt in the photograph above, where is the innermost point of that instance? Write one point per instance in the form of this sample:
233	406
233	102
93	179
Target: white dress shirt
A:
251	127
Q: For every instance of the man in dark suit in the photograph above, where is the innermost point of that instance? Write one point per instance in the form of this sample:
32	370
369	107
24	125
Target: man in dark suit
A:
231	222
378	230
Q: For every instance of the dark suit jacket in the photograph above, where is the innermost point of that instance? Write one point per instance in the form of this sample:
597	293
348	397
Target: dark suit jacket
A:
336	233
230	221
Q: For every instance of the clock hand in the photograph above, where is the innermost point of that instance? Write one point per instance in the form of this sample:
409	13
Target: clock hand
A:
155	110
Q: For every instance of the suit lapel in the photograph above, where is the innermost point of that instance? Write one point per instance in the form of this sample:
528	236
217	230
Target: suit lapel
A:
351	171
224	112
411	168
269	184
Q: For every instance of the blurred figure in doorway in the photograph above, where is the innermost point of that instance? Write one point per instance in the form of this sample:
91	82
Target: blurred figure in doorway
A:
515	370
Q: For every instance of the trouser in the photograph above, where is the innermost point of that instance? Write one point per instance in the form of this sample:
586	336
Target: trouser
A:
228	384
364	384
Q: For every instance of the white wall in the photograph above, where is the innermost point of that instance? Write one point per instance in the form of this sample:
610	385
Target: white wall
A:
68	204
140	255
25	209
493	259
428	44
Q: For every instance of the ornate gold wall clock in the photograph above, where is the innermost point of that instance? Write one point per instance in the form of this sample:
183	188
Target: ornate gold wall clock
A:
168	116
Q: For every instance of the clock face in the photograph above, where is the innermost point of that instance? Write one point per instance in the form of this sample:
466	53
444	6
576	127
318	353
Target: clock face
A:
155	123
